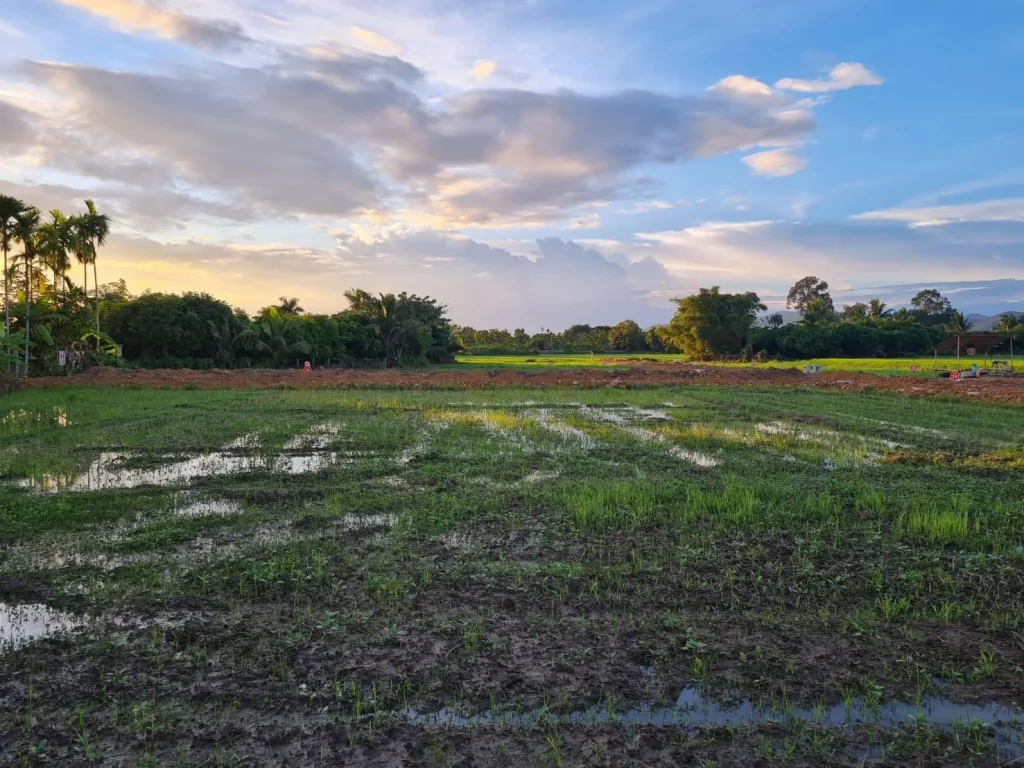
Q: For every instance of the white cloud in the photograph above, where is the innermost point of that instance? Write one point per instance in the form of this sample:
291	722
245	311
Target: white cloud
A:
483	69
775	162
840	78
1011	209
741	85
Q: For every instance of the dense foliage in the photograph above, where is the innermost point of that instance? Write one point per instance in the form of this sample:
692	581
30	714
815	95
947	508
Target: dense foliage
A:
711	324
197	330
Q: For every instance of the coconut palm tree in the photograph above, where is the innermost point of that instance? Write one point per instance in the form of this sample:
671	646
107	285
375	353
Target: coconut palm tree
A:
958	323
10	209
26	231
289	306
228	335
877	310
272	340
91	229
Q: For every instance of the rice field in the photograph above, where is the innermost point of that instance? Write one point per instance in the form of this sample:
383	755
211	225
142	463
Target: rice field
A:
925	366
666	576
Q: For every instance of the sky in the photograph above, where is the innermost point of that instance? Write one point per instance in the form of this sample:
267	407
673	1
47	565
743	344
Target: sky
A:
529	163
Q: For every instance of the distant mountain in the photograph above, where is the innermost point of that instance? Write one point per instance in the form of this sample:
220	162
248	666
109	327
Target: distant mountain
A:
983	323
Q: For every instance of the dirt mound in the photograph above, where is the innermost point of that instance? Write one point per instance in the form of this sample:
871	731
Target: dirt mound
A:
642	374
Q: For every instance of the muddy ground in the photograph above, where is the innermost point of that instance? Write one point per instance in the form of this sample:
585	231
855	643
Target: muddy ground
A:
711	577
639	374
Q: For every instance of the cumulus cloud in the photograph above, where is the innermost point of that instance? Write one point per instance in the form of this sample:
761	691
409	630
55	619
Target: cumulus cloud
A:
137	16
335	132
840	78
741	85
1010	209
775	162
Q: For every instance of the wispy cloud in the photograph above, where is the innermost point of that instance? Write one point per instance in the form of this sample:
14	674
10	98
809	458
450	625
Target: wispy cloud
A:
1011	209
840	78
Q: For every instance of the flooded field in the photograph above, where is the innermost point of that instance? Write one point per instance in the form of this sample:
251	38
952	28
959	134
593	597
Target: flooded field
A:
666	576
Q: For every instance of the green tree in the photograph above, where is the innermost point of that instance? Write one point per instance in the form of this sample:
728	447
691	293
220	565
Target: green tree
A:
877	310
56	244
289	306
272	336
807	290
958	323
854	313
91	231
26	231
10	209
819	311
228	335
1010	322
774	320
931	308
627	336
711	323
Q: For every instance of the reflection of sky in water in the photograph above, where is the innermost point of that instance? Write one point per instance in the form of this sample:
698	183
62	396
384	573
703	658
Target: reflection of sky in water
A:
693	710
21	623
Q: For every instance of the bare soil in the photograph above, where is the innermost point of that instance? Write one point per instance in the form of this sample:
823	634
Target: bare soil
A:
643	374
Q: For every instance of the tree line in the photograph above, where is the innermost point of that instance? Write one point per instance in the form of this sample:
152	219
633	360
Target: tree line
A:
46	311
711	324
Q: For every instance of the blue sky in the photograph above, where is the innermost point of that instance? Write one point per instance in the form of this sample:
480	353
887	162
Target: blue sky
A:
530	163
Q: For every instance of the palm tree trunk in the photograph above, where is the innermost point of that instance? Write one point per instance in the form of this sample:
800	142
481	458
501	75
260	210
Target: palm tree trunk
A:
96	293
6	293
28	305
7	298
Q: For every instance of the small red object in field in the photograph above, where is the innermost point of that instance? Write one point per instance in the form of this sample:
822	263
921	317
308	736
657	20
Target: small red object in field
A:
307	367
954	376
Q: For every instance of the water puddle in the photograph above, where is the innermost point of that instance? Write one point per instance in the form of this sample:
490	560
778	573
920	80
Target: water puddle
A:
21	623
693	710
317	438
625	419
108	471
208	508
564	431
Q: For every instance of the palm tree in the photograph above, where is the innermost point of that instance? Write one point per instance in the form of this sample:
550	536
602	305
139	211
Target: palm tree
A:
289	306
877	310
958	323
228	336
26	230
903	315
91	230
273	341
10	209
56	243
